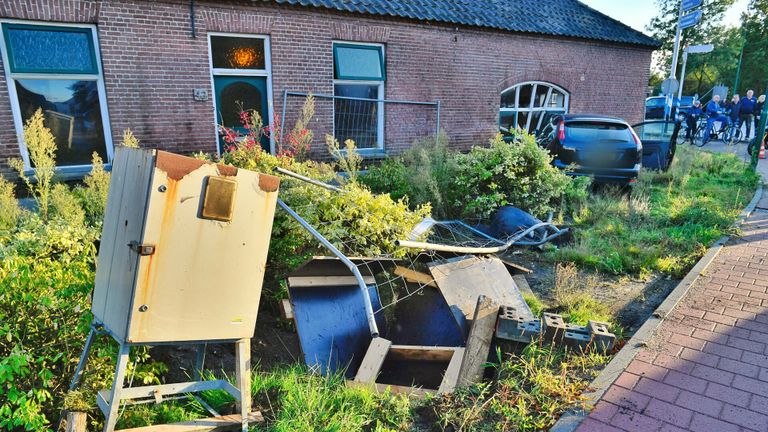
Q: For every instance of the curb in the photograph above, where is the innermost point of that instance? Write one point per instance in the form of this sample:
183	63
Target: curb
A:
572	419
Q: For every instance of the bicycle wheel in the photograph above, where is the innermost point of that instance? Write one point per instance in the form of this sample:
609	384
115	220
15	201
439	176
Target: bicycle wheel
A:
700	138
737	135
681	134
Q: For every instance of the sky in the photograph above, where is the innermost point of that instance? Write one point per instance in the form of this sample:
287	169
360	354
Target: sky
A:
638	13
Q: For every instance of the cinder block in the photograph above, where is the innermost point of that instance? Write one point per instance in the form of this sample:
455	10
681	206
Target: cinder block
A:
553	327
602	339
511	326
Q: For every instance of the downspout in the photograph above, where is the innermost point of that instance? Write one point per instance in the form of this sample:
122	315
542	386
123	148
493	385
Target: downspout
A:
192	18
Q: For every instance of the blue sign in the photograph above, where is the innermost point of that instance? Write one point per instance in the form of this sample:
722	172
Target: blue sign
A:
690	20
690	4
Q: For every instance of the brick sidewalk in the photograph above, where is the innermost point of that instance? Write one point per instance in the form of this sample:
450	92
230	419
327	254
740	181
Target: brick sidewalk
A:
706	367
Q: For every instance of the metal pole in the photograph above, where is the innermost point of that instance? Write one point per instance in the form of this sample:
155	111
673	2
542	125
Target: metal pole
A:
437	127
682	75
308	180
738	70
759	134
676	50
374	329
282	115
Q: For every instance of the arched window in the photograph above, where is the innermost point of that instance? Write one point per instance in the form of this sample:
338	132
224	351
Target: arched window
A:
530	105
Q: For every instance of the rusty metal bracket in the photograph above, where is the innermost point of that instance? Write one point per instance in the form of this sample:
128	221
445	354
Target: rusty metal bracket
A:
141	248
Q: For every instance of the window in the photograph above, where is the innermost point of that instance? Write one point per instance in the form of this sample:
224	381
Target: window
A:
531	105
57	69
240	68
358	87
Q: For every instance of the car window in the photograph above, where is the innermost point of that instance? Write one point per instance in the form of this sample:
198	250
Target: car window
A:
597	131
657	131
654	103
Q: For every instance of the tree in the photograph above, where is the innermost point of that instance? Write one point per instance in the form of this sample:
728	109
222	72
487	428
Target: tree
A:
754	69
719	66
664	25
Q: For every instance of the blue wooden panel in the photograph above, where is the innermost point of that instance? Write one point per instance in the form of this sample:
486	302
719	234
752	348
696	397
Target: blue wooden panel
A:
332	327
424	319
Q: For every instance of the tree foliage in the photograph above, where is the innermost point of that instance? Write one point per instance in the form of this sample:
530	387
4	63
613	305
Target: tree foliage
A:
754	70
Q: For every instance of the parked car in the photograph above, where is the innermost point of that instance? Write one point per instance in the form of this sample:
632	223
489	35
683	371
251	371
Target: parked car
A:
606	148
654	106
659	139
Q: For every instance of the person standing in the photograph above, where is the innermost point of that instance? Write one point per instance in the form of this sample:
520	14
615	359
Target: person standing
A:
692	118
733	109
759	110
747	112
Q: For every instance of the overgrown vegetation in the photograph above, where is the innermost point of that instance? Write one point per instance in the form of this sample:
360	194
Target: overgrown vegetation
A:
47	262
668	220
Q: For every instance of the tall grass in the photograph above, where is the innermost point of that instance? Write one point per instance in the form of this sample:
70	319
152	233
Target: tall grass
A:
666	223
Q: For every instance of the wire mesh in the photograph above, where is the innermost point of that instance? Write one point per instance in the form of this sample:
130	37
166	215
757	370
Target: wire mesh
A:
356	112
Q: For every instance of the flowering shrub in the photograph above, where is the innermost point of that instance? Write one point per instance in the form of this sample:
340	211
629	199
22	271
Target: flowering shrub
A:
519	174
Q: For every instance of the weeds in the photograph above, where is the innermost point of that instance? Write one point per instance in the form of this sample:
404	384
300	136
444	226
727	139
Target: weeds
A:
41	146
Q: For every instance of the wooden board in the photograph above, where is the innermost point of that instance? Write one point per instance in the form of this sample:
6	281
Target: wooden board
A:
451	377
374	358
427	353
286	310
221	423
479	341
76	422
415	277
462	279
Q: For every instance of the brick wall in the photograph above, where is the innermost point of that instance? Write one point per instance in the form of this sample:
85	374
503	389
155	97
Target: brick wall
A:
152	64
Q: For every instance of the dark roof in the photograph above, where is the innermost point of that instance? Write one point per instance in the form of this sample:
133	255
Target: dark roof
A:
568	18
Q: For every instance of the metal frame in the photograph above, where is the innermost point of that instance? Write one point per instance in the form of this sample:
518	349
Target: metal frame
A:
381	101
551	232
266	72
97	76
109	401
531	108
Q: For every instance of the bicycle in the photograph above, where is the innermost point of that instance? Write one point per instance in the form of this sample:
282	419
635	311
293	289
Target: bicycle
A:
697	132
730	135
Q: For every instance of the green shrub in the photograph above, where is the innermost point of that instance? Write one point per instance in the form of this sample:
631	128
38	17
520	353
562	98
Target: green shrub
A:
391	177
93	196
519	174
41	146
9	206
64	205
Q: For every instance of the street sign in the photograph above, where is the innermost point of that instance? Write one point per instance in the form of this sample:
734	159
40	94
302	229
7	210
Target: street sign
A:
689	4
690	20
699	49
669	86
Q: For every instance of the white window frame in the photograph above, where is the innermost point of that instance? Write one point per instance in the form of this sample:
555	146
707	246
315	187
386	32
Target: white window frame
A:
14	99
266	72
531	108
380	84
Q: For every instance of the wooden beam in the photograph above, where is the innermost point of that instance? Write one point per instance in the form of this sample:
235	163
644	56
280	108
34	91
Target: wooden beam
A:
221	423
424	353
515	266
451	377
415	277
373	360
76	422
479	341
286	310
411	392
327	281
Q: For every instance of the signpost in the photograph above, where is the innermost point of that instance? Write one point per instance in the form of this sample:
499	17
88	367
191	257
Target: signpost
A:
694	49
683	22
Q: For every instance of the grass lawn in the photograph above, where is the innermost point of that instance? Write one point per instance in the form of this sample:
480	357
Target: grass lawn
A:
668	220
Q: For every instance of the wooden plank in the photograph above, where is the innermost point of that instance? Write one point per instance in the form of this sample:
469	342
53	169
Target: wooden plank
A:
327	281
522	284
479	341
76	422
373	360
462	279
411	392
286	310
243	376
425	353
451	377
415	277
515	266
221	423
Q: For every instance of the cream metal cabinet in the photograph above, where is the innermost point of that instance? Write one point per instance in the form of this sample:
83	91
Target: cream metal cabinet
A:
183	249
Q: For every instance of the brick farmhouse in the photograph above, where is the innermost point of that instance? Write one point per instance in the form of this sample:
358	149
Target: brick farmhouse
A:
171	70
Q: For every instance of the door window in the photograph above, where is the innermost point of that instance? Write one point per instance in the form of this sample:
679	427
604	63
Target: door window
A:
241	74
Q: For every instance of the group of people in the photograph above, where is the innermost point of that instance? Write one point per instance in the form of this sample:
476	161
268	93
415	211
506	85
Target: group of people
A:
738	111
